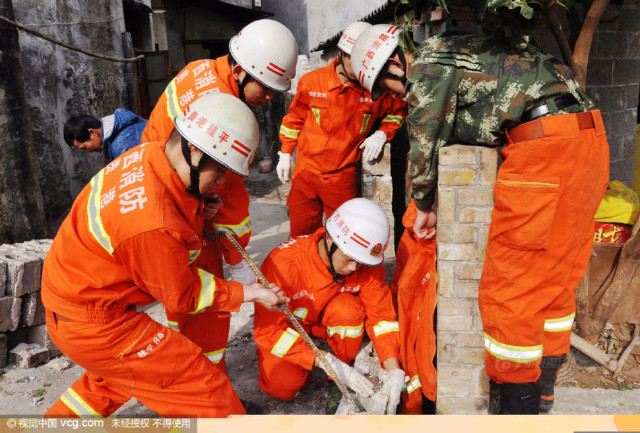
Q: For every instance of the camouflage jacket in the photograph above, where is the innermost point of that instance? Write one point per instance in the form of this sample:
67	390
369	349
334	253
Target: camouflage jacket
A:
467	90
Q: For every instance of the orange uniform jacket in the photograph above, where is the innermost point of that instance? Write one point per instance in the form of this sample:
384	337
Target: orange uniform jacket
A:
195	80
297	268
327	121
415	284
96	268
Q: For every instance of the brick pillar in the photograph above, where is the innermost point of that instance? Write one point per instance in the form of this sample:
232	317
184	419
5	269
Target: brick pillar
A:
377	186
465	200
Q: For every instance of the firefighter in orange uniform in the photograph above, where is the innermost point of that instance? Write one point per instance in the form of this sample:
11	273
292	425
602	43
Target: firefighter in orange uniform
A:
335	280
553	176
414	282
262	60
131	238
329	123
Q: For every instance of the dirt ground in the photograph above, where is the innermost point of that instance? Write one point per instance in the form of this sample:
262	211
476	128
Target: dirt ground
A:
581	371
585	387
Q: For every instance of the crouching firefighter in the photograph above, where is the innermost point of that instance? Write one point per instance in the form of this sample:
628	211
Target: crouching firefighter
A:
131	238
335	280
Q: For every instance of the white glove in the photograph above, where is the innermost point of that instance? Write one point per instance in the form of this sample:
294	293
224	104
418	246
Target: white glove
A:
242	273
394	381
349	376
284	167
372	146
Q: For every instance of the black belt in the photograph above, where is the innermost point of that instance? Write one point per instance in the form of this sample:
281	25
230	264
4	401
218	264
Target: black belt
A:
542	110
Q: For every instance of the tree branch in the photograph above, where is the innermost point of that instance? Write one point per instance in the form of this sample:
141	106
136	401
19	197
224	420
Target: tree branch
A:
556	29
583	44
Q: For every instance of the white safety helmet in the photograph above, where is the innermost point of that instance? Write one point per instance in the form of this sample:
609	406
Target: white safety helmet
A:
268	52
223	127
350	35
370	53
360	228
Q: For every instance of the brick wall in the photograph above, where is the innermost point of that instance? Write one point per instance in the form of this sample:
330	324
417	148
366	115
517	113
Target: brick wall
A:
465	200
377	186
613	74
22	317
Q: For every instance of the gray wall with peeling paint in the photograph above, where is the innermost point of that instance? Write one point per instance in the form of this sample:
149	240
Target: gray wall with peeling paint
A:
60	82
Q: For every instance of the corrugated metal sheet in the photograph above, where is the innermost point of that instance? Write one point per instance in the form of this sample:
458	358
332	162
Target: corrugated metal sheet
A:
377	16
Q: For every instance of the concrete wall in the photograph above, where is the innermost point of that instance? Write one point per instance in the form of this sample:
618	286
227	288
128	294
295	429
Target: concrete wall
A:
175	16
60	82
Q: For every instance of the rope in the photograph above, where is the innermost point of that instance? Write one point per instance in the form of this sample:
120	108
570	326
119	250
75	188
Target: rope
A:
71	47
296	324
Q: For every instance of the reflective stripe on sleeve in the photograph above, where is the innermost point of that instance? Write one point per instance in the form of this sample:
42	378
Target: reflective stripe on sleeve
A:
173	106
173	325
394	119
365	122
93	212
385	327
80	407
413	384
207	290
286	340
216	356
521	354
346	331
316	114
238	230
193	255
301	313
289	133
559	325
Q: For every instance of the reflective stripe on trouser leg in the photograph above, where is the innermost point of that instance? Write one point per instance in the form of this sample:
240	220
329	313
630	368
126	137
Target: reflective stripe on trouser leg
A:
158	366
343	317
89	397
209	330
540	224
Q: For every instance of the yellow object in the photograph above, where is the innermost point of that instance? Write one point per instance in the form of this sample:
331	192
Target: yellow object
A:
619	205
635	183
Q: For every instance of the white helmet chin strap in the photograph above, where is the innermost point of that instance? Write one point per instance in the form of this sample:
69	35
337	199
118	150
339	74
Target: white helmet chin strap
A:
194	188
337	278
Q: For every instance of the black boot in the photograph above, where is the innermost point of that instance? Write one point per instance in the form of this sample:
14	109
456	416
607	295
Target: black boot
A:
520	399
549	372
494	397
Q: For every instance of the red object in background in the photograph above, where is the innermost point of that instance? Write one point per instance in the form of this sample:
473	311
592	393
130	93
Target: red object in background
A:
612	233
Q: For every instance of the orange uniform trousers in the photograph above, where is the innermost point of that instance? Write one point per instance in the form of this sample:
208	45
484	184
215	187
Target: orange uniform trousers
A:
136	356
208	329
415	283
311	194
283	379
553	177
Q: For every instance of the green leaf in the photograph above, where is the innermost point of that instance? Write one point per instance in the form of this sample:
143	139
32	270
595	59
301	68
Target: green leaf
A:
623	387
38	393
404	2
525	10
